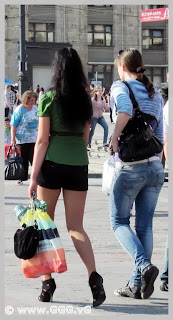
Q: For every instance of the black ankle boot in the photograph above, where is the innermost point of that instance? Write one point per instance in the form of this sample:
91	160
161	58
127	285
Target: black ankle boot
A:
48	288
96	285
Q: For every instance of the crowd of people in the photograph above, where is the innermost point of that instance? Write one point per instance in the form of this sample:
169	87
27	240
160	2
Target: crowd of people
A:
57	150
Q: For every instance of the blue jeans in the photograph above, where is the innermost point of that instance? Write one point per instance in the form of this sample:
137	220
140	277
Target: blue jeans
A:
104	125
164	275
140	183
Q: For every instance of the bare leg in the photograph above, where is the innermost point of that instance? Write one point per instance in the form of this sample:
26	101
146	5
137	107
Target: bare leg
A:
74	202
51	198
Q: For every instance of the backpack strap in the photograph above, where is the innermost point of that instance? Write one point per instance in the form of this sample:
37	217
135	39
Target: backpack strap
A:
148	117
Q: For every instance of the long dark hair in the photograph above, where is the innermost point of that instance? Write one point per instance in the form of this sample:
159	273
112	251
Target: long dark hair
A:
72	89
133	61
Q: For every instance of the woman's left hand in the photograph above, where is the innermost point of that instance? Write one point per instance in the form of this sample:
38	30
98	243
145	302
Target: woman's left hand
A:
32	188
115	145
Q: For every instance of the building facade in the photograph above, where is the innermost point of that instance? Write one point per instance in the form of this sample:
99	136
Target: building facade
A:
96	32
155	48
110	29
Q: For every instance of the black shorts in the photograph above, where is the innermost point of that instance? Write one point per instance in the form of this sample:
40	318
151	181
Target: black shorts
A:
56	176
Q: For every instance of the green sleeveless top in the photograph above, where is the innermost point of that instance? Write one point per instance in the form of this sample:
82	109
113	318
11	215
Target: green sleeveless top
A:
70	150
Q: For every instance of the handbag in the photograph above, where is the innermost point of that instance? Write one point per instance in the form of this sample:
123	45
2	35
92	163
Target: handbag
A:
108	174
137	140
7	146
13	165
50	254
26	241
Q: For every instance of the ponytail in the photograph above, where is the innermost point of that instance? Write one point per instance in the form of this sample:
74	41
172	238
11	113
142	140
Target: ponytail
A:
147	83
133	61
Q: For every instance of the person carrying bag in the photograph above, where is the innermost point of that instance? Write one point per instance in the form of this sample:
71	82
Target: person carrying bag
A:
139	171
60	163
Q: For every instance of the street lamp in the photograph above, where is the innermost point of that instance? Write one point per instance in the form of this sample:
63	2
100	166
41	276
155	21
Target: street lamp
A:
22	76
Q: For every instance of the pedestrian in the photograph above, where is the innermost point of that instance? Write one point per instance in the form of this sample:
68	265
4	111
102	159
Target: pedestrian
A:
12	98
24	123
108	103
17	100
98	105
104	92
7	132
164	275
61	161
92	90
37	89
7	104
136	182
40	94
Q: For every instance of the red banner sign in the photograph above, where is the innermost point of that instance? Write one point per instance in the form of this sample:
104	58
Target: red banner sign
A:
154	14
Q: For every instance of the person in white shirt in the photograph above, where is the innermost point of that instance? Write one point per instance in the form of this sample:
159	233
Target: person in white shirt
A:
164	275
165	128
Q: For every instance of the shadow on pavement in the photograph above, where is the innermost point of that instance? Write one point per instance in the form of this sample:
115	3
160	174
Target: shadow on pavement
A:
155	307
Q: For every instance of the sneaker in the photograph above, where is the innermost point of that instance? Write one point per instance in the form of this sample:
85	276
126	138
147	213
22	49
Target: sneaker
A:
19	182
133	292
148	277
164	286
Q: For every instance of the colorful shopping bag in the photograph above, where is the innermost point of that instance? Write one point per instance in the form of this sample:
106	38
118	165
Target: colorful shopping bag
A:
50	255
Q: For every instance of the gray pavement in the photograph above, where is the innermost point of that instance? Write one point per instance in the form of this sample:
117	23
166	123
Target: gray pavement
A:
73	293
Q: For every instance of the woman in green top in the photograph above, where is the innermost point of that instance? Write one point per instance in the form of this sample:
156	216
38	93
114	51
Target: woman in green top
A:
61	160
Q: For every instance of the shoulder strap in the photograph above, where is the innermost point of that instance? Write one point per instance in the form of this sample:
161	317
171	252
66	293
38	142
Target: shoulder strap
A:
132	97
148	117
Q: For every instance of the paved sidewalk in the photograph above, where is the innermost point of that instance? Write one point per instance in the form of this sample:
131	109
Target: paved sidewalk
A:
72	286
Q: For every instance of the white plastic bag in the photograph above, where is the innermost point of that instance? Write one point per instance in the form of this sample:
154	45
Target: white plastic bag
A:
108	174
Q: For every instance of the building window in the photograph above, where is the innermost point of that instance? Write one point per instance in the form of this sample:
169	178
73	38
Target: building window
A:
41	32
100	75
147	7
152	39
99	35
156	75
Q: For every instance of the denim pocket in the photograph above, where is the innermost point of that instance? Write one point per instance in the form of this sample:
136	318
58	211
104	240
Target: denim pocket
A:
160	178
157	180
133	185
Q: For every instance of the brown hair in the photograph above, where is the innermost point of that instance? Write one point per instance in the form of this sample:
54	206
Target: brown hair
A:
133	61
8	86
26	96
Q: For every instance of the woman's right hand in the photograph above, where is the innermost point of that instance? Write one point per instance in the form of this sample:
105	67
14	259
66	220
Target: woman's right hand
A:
13	142
32	188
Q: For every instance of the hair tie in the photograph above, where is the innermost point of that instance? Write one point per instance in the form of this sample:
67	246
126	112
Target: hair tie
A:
140	70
